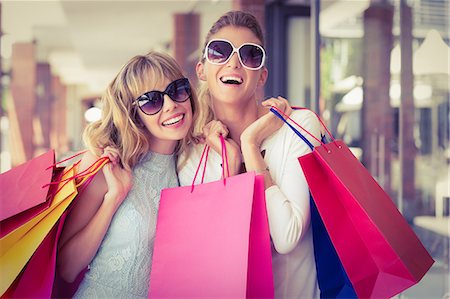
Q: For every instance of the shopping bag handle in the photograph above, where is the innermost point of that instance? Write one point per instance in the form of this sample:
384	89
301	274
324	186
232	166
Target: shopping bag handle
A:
205	156
67	159
86	175
280	114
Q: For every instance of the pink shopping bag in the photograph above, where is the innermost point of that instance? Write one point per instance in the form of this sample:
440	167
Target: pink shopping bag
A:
25	191
212	240
379	251
28	253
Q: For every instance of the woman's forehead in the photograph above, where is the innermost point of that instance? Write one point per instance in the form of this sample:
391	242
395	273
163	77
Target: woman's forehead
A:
237	35
153	80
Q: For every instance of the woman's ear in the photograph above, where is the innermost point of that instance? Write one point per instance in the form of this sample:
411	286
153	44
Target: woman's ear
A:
263	77
200	69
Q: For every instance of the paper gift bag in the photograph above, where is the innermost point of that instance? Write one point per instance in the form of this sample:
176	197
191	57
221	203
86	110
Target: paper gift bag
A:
37	238
213	241
25	191
36	280
17	247
380	253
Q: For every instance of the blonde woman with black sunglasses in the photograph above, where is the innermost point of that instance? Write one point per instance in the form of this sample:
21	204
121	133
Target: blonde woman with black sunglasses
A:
232	70
147	115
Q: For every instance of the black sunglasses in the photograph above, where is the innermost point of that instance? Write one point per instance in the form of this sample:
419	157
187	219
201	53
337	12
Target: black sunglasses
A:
152	102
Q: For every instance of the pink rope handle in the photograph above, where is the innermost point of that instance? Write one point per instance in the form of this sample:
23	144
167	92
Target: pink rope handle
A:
87	178
67	159
204	155
93	168
205	149
204	165
224	159
306	131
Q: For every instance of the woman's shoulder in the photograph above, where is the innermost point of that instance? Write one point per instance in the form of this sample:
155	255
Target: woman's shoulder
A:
87	159
302	119
304	115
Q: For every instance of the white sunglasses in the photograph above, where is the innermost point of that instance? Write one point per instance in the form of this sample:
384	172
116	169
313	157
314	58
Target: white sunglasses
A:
219	52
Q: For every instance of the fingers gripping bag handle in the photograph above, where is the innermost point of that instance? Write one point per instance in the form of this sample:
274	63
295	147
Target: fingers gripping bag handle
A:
204	156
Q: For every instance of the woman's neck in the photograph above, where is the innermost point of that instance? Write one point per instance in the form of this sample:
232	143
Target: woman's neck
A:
237	117
164	147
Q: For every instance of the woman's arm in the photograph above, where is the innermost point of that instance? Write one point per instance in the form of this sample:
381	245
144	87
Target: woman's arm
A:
254	135
89	218
288	202
287	194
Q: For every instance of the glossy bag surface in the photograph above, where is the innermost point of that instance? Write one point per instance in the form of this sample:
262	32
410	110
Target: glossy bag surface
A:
213	241
381	254
379	251
25	191
28	253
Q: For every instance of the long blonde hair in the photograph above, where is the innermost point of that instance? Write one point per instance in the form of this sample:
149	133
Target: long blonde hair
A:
231	18
120	126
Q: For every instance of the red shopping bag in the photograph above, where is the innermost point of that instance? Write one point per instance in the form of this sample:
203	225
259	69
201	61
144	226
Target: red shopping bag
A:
31	285
212	240
25	191
379	251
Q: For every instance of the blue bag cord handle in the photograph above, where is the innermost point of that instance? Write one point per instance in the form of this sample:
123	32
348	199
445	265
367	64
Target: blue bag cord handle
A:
293	128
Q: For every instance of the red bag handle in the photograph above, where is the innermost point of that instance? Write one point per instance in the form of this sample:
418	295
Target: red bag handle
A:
303	129
205	156
86	175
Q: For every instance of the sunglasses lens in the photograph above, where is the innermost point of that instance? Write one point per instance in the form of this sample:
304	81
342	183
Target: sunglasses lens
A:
218	51
252	56
179	90
151	102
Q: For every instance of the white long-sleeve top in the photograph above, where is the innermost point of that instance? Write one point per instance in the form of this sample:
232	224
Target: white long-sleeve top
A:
287	201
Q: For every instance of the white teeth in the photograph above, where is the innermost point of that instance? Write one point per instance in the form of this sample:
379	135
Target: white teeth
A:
231	79
173	120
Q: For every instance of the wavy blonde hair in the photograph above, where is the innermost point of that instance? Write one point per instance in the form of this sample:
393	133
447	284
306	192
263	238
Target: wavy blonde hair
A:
231	18
120	126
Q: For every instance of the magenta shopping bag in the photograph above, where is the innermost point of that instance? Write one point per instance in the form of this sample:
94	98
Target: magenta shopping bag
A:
213	241
25	191
28	253
36	279
379	251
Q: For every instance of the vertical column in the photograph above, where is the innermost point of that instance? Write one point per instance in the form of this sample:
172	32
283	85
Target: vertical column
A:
21	110
407	147
186	43
1	91
58	136
377	114
43	106
255	7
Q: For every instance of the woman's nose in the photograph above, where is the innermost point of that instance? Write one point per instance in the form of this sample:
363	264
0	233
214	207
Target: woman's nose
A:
169	104
234	61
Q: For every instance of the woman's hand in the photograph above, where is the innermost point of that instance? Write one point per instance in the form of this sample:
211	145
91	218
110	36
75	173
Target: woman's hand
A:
118	179
211	133
267	124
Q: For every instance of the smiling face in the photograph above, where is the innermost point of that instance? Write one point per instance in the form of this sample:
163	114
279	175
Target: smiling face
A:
231	83
170	124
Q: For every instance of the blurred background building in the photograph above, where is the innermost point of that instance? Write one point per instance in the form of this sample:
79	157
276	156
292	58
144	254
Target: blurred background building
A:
377	71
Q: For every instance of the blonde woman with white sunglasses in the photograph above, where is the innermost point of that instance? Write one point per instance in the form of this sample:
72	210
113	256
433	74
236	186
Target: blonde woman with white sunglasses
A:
232	70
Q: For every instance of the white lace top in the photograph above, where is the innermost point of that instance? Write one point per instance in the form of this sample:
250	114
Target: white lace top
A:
121	268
